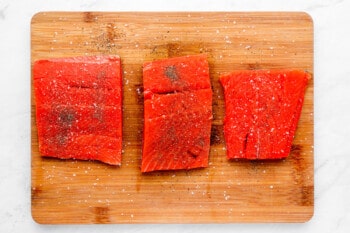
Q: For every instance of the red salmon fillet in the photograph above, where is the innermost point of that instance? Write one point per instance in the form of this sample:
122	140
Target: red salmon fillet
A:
262	110
177	114
79	108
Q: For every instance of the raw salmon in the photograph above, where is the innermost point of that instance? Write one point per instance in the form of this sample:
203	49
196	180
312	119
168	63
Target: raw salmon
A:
262	110
79	108
177	113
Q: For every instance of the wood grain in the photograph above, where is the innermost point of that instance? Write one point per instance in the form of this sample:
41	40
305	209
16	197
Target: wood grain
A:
69	191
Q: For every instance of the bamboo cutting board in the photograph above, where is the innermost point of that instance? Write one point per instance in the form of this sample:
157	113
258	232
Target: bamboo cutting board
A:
69	191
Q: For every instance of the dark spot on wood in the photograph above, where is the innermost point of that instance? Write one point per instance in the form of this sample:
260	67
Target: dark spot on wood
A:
216	135
298	162
140	114
110	32
114	33
171	73
307	195
253	66
139	92
173	49
304	192
139	134
107	40
176	49
89	17
35	193
101	214
255	163
295	149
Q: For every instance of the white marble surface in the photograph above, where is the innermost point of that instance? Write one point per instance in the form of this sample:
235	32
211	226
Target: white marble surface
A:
332	111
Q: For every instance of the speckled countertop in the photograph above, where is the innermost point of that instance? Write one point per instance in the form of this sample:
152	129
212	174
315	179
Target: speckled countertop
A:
332	111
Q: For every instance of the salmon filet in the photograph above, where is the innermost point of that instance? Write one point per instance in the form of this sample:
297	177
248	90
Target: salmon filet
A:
79	108
177	113
262	110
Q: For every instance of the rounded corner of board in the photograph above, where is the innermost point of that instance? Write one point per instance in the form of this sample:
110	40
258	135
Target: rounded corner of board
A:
37	16
309	216
36	219
308	17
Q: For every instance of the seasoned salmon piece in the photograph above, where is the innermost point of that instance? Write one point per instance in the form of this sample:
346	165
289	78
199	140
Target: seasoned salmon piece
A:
177	114
262	110
79	108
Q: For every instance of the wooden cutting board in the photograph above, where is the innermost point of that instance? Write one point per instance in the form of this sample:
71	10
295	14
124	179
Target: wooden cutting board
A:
227	191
